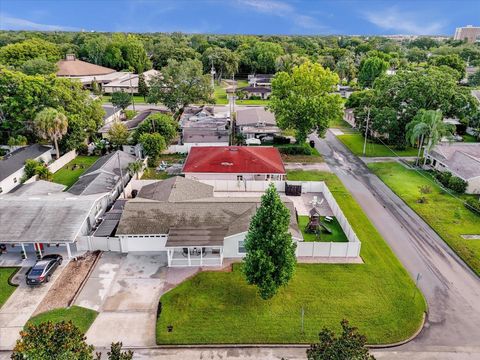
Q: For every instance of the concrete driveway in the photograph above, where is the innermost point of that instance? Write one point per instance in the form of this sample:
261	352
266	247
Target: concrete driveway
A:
21	305
125	290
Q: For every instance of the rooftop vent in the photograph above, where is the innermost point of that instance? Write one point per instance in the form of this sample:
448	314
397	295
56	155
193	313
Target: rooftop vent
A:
227	164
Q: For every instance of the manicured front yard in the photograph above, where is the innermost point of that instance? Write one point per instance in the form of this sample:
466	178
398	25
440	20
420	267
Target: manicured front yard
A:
70	173
5	288
220	95
445	214
337	234
378	296
355	143
315	156
80	316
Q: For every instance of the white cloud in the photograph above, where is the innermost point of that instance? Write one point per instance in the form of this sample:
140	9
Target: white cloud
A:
281	9
405	22
14	23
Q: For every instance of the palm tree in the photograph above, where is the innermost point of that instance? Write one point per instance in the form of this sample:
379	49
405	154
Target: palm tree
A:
427	124
51	124
135	167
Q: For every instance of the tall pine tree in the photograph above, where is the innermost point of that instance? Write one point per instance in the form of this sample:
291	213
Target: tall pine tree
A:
270	260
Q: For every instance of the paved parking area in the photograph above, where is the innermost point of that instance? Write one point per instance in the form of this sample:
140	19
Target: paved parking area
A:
21	305
125	290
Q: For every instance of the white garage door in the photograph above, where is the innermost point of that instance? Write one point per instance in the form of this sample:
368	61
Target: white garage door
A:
146	243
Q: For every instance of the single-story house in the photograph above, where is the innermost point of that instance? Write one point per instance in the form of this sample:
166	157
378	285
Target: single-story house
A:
12	166
108	175
86	72
202	127
256	122
41	214
262	92
239	163
129	82
183	218
461	159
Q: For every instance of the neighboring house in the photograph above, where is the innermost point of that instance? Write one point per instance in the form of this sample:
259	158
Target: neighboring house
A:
202	127
12	167
262	92
131	124
109	174
461	159
111	114
86	72
129	82
344	91
183	218
41	213
239	163
256	122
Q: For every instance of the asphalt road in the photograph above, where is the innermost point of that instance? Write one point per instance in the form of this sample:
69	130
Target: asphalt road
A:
451	289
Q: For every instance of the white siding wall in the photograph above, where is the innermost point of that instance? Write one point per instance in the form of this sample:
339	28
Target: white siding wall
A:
141	243
473	186
185	148
230	246
63	160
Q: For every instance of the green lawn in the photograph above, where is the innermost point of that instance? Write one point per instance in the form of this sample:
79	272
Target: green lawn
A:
337	234
470	138
5	288
315	157
152	174
80	316
378	296
67	176
136	98
340	124
445	214
355	143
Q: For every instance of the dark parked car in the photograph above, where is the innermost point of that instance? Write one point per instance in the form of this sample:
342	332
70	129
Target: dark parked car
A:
43	269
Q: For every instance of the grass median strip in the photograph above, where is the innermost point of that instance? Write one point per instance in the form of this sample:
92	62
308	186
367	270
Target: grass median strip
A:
445	214
81	317
378	296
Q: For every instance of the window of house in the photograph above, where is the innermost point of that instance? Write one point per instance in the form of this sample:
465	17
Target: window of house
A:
239	177
241	247
1	190
15	180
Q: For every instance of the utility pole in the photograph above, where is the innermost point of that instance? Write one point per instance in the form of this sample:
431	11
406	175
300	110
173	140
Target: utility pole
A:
366	132
121	175
213	72
131	93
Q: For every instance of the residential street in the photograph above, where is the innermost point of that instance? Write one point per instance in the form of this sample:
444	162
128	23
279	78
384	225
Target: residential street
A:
450	287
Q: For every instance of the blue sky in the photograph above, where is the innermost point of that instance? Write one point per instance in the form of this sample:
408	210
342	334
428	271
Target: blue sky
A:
242	16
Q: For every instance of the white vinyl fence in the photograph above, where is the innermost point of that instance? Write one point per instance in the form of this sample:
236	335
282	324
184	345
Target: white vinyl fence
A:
62	161
320	249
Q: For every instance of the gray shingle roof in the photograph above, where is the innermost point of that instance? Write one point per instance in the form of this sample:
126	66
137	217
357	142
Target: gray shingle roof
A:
103	175
16	159
461	158
175	189
253	116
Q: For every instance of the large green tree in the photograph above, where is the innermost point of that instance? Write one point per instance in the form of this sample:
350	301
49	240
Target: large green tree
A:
270	260
259	56
17	54
38	66
350	345
395	101
118	134
304	100
224	61
153	146
23	96
162	124
121	99
180	84
370	69
452	61
428	125
51	124
47	341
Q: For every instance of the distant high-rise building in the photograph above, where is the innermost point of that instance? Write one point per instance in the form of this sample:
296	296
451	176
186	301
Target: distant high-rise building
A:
469	33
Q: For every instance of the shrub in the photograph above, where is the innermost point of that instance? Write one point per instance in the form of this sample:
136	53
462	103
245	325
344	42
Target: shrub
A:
82	149
30	169
458	185
425	189
443	177
473	204
296	150
130	114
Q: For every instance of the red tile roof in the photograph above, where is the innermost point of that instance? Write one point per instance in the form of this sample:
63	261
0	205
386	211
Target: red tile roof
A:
234	159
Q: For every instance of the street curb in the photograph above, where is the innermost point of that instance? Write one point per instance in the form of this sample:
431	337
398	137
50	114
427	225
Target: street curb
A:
257	346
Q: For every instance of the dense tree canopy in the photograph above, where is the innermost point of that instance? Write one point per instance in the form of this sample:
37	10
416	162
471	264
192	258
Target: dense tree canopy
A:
23	96
224	61
162	124
370	69
17	54
453	61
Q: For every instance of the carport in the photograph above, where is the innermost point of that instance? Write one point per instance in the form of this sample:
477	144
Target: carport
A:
201	246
